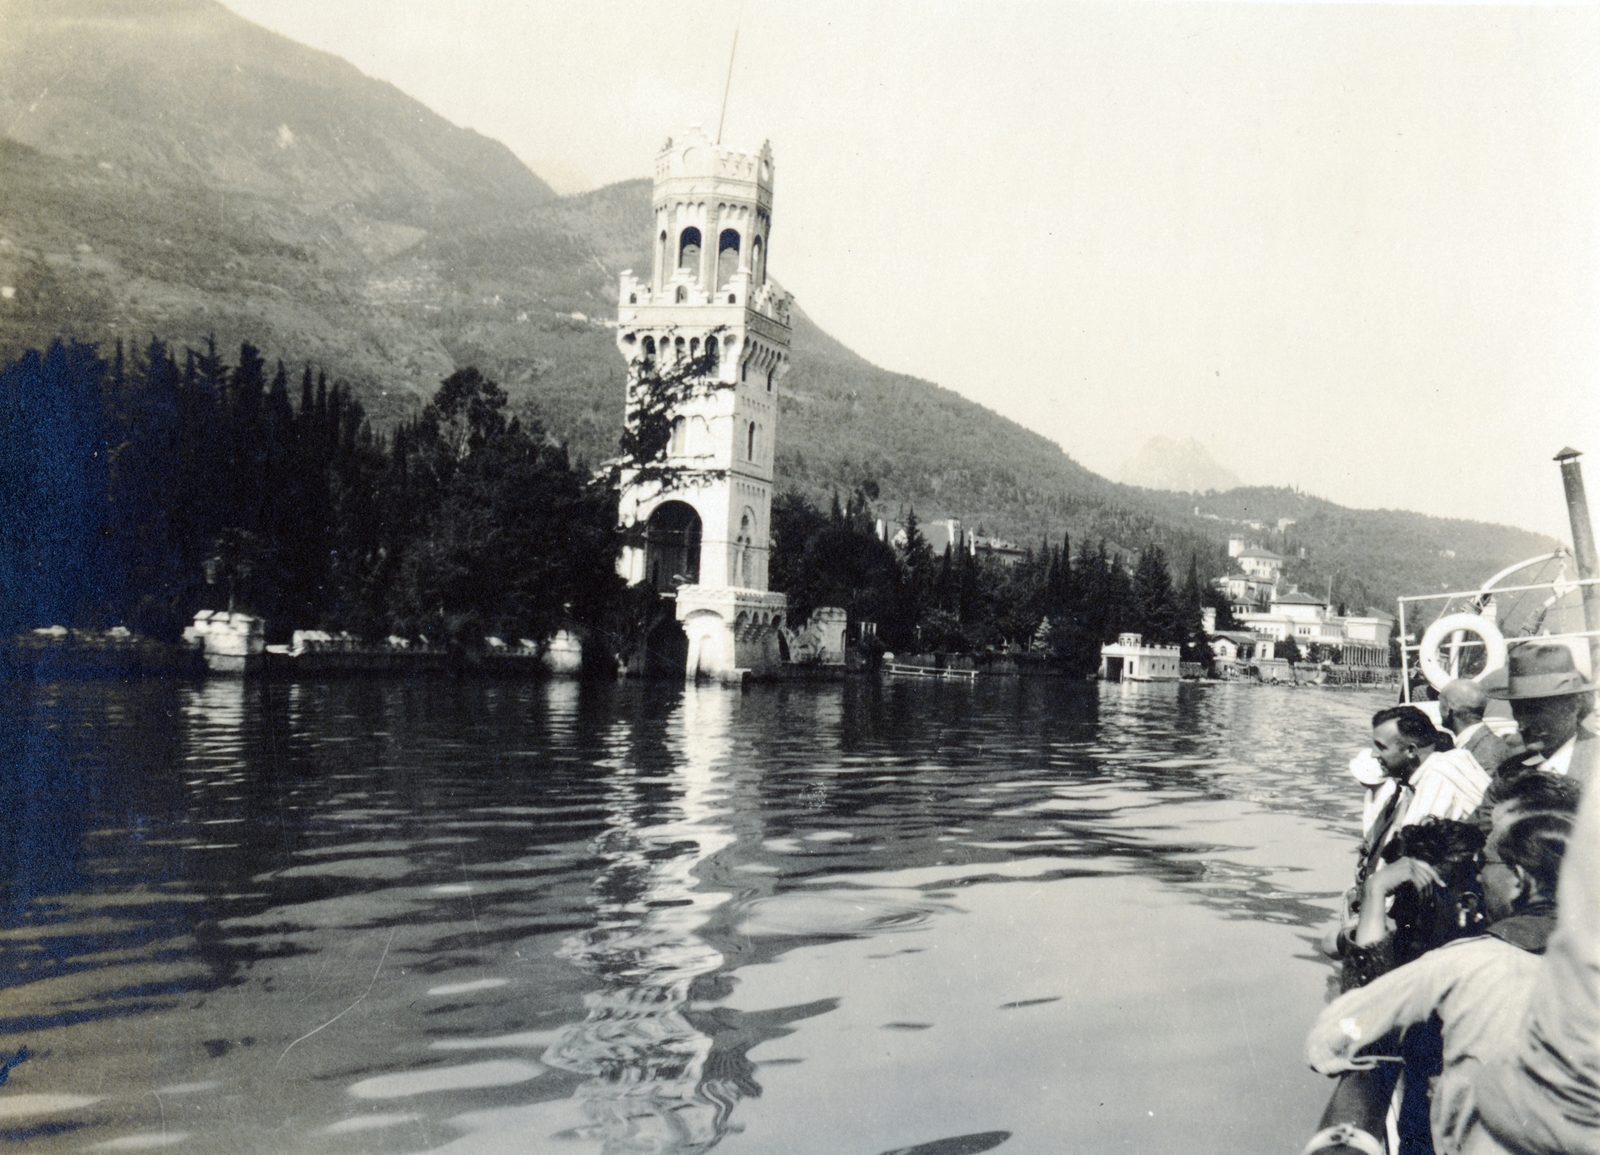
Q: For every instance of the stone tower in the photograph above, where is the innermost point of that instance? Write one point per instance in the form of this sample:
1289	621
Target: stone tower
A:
702	543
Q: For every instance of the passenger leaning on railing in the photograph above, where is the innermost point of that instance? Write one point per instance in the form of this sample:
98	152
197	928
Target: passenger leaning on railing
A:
1428	888
1479	988
1410	772
1424	895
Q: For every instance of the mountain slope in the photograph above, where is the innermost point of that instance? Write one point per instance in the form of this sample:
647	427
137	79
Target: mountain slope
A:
185	92
394	248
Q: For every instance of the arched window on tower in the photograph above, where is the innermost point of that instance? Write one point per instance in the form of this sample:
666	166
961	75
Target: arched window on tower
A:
750	442
689	250
727	256
770	372
661	255
742	561
682	295
758	270
678	445
711	354
649	346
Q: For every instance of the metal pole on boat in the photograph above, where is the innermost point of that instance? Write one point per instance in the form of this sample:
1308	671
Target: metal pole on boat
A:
1583	549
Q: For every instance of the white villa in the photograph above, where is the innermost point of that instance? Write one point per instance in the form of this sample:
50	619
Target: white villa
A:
1363	639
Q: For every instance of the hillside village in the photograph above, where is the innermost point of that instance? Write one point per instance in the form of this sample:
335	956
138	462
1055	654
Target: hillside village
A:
1271	612
1272	619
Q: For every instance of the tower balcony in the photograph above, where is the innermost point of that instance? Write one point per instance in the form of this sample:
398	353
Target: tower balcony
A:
684	302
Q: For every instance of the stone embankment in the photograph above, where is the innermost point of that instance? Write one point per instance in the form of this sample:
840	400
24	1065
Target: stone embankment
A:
55	653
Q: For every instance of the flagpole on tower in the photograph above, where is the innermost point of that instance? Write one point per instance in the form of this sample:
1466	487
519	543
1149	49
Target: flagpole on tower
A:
729	82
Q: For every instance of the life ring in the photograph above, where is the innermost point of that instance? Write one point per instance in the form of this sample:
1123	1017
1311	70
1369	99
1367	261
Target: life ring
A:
1427	651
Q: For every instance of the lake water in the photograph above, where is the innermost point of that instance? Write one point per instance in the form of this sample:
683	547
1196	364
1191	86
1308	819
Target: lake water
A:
360	916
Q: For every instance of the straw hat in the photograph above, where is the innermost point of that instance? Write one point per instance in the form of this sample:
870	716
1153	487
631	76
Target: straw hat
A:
1540	670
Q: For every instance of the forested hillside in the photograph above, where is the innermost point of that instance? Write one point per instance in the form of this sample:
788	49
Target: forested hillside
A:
392	249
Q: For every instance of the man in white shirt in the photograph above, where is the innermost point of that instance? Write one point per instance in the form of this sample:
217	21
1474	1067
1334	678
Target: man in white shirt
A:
1408	778
1444	783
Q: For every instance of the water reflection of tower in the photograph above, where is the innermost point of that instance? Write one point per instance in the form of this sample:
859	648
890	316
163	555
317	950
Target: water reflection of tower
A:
702	540
649	1089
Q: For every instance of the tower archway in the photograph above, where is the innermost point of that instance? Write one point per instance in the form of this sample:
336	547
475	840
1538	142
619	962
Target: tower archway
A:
672	546
727	256
666	650
689	250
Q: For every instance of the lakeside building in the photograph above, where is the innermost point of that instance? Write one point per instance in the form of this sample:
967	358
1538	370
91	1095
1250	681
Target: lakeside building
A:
1234	645
1129	659
1246	594
1273	615
701	541
1262	564
1361	639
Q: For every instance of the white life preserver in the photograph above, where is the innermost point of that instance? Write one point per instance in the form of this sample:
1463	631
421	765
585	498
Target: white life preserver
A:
1427	651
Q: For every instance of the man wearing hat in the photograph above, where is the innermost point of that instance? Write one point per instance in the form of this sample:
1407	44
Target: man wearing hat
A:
1552	703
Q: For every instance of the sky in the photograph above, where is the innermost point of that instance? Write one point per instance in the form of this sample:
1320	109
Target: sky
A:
1349	248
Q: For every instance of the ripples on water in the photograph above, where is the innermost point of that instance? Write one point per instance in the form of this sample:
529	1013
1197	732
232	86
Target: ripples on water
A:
539	918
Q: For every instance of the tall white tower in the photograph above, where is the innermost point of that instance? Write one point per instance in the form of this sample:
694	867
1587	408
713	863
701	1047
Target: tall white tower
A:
703	541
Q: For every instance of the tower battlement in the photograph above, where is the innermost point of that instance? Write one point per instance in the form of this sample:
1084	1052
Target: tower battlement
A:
691	162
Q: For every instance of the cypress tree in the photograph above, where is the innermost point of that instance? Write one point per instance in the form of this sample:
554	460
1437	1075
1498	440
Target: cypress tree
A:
1196	648
1153	608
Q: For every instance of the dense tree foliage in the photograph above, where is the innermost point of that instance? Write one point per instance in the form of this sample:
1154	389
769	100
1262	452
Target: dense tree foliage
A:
1049	603
141	489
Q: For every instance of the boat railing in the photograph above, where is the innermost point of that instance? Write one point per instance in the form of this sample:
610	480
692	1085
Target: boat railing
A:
1446	646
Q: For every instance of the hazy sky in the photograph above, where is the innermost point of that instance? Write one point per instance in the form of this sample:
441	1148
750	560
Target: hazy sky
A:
1351	248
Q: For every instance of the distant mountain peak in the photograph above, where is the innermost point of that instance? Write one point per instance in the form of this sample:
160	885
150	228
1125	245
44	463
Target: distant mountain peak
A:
1181	466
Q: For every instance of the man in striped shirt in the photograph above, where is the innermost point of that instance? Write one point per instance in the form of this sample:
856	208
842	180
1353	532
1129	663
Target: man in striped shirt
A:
1413	772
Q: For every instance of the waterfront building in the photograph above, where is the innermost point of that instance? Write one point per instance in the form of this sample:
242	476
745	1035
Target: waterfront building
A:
1357	640
1366	639
1234	645
1251	588
701	539
1130	659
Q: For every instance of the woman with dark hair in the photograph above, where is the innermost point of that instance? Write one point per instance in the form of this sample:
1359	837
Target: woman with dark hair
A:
1428	890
